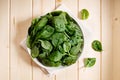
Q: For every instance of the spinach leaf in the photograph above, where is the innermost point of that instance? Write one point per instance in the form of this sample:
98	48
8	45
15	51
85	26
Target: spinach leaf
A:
61	49
58	38
46	45
34	52
89	62
84	14
47	62
43	54
34	21
68	60
28	41
75	49
39	26
59	22
46	32
66	46
56	13
55	56
76	38
97	46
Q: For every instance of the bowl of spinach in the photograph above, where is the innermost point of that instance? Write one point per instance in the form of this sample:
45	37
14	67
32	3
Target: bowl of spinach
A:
55	39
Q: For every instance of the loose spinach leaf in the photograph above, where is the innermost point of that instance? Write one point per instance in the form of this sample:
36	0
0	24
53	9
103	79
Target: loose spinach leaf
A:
89	62
35	52
97	46
84	14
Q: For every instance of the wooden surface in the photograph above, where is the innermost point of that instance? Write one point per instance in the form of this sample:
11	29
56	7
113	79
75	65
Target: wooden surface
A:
104	21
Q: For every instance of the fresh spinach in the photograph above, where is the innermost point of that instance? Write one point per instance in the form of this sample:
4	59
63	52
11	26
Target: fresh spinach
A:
55	39
46	45
67	46
84	14
89	62
35	52
97	46
58	38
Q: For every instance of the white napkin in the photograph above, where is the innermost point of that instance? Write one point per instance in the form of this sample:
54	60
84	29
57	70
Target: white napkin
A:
86	33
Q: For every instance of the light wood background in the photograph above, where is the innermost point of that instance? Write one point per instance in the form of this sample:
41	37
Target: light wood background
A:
104	21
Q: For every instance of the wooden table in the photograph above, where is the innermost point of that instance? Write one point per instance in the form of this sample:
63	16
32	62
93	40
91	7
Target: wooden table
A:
15	18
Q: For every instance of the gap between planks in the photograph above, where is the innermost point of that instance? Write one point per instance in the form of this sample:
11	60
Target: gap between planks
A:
9	3
101	38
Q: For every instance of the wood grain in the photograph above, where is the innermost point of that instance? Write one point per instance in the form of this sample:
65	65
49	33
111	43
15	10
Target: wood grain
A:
20	62
4	39
93	23
103	23
106	37
116	40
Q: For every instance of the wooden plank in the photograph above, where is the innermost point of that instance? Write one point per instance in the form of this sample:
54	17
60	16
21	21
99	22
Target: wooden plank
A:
116	40
107	54
70	73
93	24
39	7
4	39
21	13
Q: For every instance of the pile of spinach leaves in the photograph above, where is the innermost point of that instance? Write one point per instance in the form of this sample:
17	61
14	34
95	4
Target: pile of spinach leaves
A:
55	39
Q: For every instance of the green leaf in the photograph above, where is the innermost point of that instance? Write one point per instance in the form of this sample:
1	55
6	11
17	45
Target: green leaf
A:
59	22
34	21
58	38
89	62
77	38
43	21
61	49
97	46
38	26
34	52
46	32
66	46
55	56
56	13
46	45
49	63
75	50
68	60
42	55
84	14
28	41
